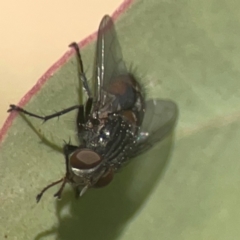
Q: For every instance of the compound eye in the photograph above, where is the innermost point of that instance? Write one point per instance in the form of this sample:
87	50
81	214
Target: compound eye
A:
85	159
105	179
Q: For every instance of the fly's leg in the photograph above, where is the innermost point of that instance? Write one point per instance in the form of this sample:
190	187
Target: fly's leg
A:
80	121
58	194
44	118
67	149
82	117
88	108
39	196
81	73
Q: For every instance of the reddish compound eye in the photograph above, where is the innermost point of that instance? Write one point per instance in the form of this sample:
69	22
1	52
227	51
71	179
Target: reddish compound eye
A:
105	179
85	159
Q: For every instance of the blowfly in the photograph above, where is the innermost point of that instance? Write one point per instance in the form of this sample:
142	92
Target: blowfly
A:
115	124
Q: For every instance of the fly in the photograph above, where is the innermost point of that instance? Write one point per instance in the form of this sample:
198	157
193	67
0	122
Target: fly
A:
115	123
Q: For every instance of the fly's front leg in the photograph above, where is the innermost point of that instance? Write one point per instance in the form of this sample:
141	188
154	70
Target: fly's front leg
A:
39	196
67	149
44	118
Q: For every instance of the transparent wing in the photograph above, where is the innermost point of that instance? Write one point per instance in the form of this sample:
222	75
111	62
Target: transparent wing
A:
108	60
159	119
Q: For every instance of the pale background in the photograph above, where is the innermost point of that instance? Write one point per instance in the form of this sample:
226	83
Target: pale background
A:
35	34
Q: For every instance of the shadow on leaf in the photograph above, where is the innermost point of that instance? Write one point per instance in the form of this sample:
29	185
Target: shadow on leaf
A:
104	213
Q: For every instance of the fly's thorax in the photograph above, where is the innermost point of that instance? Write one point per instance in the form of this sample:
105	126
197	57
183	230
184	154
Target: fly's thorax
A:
117	127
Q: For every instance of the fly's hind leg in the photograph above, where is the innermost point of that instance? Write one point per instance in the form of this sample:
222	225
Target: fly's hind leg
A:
82	116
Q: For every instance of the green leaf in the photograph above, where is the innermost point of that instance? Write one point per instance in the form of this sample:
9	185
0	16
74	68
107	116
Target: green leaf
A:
187	187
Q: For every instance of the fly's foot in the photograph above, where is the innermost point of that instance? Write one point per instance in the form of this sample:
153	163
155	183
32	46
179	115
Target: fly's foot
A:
13	107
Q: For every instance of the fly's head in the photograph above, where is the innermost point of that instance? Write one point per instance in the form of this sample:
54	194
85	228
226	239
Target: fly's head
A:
86	169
